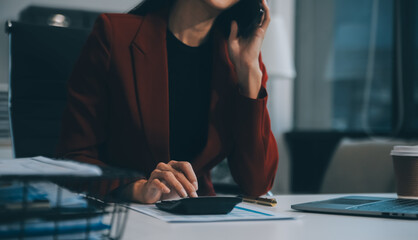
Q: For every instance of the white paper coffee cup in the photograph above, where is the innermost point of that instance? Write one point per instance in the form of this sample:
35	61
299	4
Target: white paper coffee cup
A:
405	163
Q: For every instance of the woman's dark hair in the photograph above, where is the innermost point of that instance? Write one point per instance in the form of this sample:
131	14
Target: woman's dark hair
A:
247	13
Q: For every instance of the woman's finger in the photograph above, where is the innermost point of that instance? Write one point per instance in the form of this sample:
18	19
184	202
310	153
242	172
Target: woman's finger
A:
162	166
170	180
190	189
234	31
180	169
156	183
187	169
267	17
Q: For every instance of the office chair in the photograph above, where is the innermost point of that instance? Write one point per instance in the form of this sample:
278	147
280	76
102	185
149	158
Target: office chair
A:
310	153
362	166
41	61
73	18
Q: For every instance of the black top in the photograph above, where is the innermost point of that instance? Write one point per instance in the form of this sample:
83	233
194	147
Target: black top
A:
189	77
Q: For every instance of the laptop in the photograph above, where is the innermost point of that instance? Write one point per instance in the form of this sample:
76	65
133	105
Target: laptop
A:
364	206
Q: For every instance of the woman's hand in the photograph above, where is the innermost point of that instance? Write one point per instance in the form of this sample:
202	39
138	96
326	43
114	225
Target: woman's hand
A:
166	181
244	53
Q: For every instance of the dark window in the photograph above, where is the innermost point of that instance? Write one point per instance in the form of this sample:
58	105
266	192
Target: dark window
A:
408	31
357	66
362	65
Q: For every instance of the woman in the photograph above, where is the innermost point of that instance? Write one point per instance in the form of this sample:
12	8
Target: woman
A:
170	90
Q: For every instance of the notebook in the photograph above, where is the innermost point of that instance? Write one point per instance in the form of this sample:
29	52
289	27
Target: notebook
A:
364	206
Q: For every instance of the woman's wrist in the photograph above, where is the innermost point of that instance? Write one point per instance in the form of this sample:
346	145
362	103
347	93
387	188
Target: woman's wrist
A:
249	79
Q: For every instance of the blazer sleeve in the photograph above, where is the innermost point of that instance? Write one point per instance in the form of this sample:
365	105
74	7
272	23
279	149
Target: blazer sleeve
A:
85	120
254	158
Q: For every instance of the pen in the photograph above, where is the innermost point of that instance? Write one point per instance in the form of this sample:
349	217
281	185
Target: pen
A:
271	202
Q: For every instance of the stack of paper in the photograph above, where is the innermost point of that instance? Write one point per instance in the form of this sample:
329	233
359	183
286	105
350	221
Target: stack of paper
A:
42	166
41	224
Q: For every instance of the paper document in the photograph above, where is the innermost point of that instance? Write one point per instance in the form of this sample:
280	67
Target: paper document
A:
42	166
241	212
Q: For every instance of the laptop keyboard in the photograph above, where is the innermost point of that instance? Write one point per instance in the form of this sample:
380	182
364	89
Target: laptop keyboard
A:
394	206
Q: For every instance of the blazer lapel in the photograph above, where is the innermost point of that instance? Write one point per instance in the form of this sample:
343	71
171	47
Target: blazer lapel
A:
151	82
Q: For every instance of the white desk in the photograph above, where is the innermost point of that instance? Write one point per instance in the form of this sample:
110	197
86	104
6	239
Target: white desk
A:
307	226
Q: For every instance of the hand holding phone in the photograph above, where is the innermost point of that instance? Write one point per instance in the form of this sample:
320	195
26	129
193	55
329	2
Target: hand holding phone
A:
244	53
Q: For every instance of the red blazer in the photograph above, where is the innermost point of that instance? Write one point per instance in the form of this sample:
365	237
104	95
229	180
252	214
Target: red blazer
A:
117	112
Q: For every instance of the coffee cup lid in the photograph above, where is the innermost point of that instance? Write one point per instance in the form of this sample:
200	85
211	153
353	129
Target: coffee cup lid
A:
405	151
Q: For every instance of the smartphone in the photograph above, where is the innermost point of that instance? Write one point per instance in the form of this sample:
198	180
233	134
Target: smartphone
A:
249	16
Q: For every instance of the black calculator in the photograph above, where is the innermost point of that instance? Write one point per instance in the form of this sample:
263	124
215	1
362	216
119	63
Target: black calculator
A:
200	205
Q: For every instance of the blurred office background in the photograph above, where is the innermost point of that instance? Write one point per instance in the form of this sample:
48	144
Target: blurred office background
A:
343	85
